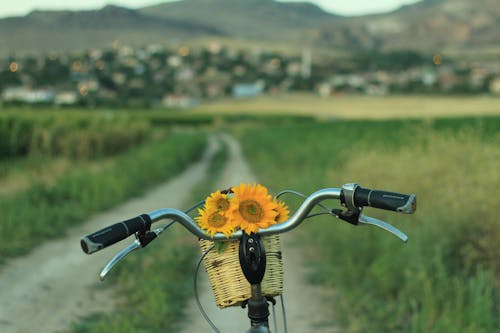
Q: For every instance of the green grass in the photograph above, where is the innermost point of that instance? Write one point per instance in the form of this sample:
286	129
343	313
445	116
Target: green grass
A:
154	117
75	135
352	106
46	210
58	166
446	278
158	281
153	286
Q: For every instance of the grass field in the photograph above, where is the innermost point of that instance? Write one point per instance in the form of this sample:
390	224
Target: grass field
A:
75	135
357	107
54	170
159	302
446	279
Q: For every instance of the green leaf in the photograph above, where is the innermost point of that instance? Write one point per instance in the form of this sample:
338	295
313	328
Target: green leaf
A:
220	246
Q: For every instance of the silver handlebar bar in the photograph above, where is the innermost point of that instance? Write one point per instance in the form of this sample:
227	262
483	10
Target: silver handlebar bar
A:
297	218
291	223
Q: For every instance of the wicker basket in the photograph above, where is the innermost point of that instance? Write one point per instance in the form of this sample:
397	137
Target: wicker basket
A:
228	283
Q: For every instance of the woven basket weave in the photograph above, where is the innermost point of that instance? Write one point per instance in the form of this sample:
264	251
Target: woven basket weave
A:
228	283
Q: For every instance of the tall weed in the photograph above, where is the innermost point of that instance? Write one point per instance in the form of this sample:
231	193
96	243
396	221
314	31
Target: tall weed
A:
158	281
446	278
46	210
74	136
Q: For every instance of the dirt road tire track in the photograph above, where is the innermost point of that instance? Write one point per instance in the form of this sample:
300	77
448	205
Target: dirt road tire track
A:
305	304
48	289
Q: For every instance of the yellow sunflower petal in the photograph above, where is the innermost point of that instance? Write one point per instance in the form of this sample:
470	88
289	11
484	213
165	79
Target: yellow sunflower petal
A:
282	209
217	202
214	222
255	208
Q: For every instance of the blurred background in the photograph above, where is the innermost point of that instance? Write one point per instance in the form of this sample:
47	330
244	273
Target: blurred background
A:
397	95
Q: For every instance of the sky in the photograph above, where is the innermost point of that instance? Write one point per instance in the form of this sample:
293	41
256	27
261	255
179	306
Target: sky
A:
348	8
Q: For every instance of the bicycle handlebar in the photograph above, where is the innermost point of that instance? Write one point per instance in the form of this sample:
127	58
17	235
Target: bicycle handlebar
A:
351	195
354	195
114	233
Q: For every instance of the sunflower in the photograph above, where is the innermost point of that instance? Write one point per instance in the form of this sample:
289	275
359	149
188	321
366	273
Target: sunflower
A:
255	208
282	211
217	202
214	222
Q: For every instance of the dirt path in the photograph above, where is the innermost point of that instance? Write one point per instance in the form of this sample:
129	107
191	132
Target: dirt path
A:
304	303
54	285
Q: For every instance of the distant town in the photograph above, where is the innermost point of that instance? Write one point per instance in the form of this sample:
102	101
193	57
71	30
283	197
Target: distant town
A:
160	77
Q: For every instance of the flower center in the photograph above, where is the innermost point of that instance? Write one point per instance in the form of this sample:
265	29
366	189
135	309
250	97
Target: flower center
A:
222	204
217	220
251	211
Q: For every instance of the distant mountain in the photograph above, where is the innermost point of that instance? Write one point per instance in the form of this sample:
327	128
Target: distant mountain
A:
78	30
252	19
429	25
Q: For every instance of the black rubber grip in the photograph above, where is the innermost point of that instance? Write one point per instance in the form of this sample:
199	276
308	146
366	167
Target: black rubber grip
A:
114	233
403	203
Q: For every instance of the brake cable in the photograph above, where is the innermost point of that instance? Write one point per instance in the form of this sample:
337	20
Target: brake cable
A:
200	306
327	211
205	315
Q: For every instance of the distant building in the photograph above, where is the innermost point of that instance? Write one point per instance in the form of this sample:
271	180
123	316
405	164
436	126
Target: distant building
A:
429	78
376	90
306	63
293	68
66	98
242	90
495	86
178	101
324	89
29	96
185	74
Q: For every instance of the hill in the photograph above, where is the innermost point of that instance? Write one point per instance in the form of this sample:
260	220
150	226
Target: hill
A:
42	31
429	25
250	19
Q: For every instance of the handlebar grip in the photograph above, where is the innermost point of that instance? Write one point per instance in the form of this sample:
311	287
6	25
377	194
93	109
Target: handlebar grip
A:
114	233
403	203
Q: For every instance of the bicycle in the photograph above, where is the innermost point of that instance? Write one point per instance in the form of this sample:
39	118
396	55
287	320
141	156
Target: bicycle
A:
252	254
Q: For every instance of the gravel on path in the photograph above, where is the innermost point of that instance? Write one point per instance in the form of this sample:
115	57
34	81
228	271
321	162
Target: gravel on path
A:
56	283
306	311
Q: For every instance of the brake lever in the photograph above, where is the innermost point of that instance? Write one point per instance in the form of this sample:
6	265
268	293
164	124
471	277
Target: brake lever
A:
118	257
142	240
363	219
